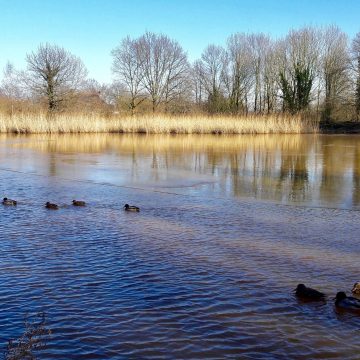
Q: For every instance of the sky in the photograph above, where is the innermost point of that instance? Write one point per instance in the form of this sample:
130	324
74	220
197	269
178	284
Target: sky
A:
90	29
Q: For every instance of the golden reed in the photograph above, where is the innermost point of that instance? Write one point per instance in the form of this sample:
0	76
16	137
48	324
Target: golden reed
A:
157	124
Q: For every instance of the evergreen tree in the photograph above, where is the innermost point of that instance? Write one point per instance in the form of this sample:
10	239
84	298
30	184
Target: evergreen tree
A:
296	90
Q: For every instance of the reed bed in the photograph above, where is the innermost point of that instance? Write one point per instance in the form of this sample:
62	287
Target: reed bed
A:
156	124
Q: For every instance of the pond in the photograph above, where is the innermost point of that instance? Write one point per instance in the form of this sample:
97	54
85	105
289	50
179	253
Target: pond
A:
228	226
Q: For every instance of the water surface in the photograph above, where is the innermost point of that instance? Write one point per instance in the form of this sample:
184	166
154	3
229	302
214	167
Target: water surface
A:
228	226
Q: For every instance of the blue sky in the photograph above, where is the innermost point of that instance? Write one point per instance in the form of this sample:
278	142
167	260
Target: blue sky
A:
92	28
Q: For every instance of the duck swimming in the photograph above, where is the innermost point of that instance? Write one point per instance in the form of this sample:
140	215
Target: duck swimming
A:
78	203
7	201
347	302
128	207
307	293
49	205
356	288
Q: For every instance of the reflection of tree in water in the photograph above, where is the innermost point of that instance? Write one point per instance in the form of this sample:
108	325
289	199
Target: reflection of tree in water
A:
264	166
335	166
52	164
327	168
294	172
268	172
213	160
198	167
237	173
134	165
356	177
155	166
254	172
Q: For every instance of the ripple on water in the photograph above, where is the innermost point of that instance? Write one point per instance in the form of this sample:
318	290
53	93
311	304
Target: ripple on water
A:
176	280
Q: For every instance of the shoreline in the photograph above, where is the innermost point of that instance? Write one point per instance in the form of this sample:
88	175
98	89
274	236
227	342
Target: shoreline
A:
346	127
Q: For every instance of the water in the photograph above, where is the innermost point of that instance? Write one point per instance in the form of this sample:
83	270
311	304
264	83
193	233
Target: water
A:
228	226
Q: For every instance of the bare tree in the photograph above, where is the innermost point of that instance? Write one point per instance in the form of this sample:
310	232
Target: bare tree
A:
271	87
356	55
54	73
197	80
164	67
259	47
11	85
238	74
128	70
334	65
117	94
210	69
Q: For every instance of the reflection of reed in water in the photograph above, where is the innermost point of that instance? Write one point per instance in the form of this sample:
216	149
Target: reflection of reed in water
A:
294	167
290	151
144	144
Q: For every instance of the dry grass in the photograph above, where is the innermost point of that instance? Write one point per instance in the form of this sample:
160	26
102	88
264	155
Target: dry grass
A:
158	124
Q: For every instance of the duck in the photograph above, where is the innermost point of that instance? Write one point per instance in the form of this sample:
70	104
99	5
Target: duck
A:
128	207
7	201
49	205
356	288
307	293
347	302
78	203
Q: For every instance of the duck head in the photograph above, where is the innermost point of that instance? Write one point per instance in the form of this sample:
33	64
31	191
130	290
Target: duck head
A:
340	296
47	203
126	206
5	199
300	287
356	288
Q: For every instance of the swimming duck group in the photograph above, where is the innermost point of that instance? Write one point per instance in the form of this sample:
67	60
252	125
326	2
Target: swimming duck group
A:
342	301
10	202
303	292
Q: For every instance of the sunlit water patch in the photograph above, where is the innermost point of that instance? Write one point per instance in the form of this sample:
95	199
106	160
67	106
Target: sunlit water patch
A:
228	226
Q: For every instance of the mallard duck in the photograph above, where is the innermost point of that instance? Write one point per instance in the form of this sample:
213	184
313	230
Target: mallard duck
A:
78	203
356	288
128	207
347	302
49	205
7	201
307	293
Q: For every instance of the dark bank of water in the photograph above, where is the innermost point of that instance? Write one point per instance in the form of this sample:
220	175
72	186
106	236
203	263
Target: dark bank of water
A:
346	127
228	226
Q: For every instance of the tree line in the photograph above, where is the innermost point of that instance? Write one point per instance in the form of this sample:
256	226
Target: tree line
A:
314	70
